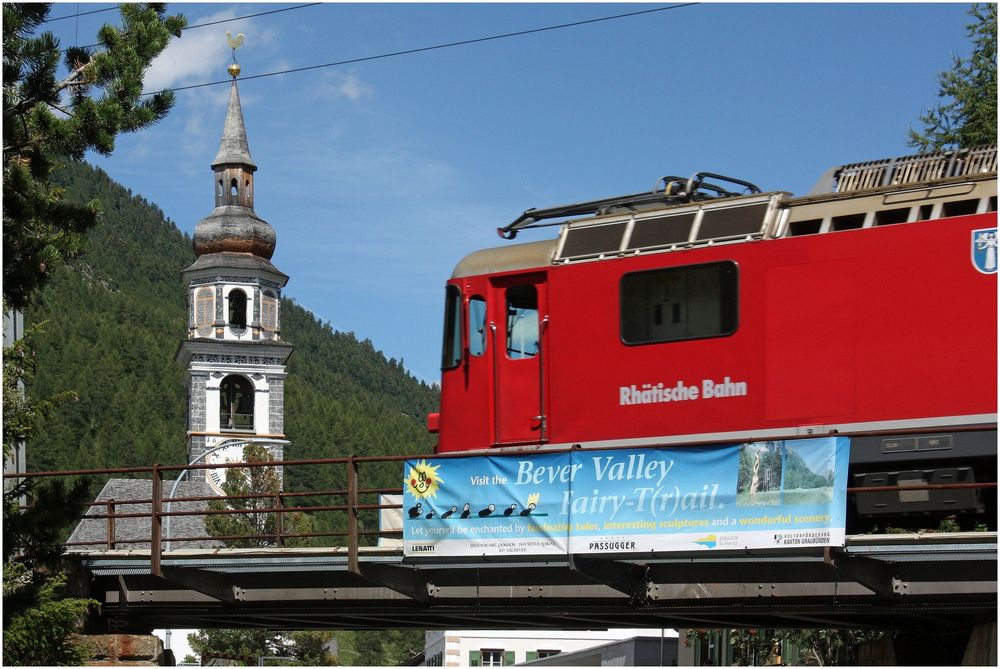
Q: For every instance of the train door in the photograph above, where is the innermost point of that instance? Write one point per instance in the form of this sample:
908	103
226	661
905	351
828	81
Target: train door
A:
518	327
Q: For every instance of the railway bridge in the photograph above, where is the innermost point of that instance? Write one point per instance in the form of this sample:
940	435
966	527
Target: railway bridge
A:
148	571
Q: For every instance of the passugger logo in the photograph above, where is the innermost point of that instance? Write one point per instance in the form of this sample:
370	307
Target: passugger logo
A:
984	250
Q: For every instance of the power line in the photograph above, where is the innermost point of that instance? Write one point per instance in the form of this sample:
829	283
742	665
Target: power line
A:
78	14
235	18
439	46
250	16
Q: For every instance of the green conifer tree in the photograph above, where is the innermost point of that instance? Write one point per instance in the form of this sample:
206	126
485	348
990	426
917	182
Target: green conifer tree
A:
48	120
966	116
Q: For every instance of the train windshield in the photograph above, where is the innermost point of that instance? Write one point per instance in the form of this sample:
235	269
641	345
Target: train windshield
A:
452	350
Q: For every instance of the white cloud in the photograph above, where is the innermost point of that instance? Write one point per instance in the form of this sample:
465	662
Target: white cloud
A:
202	54
345	85
192	58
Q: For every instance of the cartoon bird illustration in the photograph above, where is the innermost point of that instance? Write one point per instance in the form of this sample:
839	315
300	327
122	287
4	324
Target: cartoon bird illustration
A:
449	512
532	502
415	511
465	511
510	509
487	511
431	514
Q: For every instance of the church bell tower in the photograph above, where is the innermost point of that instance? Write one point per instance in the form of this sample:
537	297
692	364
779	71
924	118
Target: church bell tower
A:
234	356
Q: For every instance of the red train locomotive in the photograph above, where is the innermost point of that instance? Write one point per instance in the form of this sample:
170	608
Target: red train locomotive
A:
696	314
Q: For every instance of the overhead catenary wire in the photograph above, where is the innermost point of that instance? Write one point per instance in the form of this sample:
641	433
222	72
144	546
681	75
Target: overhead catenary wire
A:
447	45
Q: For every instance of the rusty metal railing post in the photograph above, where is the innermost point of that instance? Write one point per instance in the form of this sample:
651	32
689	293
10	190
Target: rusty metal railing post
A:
111	524
155	521
279	539
352	516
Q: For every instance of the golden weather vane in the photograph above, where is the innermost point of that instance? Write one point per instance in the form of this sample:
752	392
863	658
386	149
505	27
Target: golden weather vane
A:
234	44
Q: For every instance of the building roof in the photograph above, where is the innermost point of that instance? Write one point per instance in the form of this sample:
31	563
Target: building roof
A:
227	261
639	651
135	532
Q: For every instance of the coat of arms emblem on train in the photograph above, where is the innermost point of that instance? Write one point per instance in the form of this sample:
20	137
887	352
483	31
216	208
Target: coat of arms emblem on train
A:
984	250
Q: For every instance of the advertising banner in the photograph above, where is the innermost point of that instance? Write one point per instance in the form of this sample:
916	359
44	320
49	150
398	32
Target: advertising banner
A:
762	495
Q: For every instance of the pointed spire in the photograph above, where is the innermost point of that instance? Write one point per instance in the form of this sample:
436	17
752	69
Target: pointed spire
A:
234	149
233	227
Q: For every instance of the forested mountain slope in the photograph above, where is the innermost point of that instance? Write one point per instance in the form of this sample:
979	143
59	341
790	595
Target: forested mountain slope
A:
113	321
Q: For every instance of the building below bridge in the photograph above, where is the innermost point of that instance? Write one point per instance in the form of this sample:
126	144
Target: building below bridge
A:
502	648
132	496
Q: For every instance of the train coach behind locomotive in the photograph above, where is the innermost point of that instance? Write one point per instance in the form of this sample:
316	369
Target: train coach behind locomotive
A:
696	315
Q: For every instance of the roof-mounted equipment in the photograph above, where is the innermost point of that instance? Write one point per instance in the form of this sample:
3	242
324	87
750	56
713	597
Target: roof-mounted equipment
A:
668	190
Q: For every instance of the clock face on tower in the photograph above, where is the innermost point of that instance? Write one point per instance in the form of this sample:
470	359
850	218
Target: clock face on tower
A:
231	451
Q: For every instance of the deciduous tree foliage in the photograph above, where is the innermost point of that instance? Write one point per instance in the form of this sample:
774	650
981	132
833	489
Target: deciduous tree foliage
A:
50	119
258	528
966	116
814	647
302	648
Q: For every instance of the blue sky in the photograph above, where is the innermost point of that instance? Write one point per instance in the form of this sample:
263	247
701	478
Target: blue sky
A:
379	176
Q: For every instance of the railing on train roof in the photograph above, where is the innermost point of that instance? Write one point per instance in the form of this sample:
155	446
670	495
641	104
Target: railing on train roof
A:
160	505
911	169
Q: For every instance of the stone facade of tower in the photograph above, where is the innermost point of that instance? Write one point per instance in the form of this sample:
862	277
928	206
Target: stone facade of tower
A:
234	355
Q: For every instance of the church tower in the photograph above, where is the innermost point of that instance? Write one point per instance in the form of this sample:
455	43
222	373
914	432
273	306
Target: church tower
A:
233	353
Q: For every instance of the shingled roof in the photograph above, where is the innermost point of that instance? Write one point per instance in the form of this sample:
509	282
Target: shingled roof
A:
135	532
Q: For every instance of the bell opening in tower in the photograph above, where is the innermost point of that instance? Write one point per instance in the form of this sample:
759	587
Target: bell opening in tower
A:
237	398
237	309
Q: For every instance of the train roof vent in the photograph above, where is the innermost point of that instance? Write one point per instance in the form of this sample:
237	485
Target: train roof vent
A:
907	170
683	227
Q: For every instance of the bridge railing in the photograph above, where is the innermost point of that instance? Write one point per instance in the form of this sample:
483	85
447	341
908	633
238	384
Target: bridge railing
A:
122	516
148	513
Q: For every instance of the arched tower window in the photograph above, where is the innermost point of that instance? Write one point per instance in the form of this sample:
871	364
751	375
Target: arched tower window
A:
237	308
236	395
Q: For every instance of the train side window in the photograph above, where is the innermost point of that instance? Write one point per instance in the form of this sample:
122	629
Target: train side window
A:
992	204
451	353
892	216
522	322
678	303
810	227
477	325
848	222
959	208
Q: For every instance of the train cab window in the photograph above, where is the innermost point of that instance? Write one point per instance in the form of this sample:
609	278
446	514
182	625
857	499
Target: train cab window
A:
477	325
451	353
992	204
679	303
522	322
959	208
